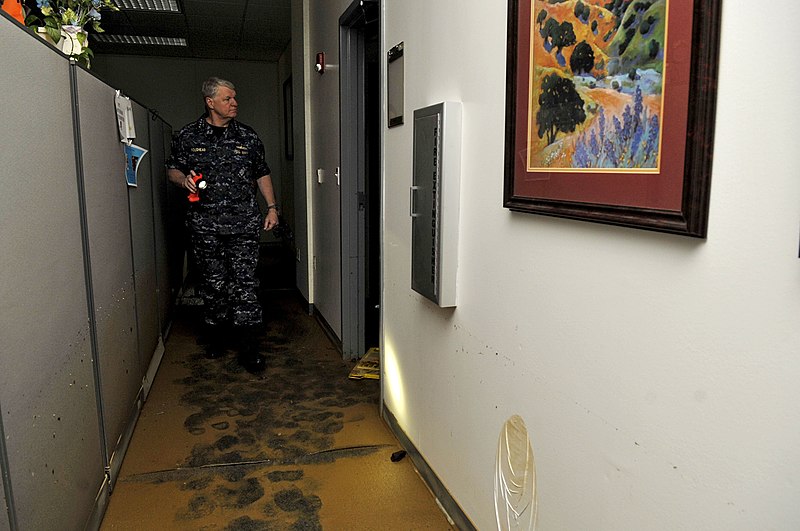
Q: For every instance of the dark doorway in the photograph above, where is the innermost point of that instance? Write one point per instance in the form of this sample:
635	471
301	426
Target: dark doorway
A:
359	124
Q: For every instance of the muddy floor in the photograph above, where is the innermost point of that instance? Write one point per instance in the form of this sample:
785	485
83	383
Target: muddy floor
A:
300	448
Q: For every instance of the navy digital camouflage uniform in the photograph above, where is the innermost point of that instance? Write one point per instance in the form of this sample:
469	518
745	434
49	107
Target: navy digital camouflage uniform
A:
225	223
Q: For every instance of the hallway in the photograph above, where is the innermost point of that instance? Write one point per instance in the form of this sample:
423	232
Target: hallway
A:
301	448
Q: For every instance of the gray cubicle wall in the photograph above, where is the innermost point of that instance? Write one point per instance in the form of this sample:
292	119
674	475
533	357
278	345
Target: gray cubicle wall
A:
140	200
81	255
5	513
168	222
47	386
110	253
5	523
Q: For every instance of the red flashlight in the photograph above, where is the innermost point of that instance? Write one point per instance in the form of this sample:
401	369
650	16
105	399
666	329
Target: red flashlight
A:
201	185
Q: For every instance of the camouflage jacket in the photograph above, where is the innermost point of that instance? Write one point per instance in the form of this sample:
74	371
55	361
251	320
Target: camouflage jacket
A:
230	165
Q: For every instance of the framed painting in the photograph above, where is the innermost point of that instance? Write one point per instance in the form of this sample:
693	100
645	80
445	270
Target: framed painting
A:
610	109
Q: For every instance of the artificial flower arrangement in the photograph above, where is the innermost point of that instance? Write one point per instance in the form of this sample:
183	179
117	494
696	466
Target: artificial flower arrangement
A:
71	20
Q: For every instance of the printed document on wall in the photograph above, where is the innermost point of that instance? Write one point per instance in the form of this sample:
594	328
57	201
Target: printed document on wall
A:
127	131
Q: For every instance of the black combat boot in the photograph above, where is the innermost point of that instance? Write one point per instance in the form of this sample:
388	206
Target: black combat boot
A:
250	356
214	339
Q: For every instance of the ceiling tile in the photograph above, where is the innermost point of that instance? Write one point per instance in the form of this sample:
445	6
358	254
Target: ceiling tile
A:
229	26
214	9
251	30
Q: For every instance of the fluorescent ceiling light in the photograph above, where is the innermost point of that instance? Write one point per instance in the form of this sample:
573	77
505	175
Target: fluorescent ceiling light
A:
149	5
138	39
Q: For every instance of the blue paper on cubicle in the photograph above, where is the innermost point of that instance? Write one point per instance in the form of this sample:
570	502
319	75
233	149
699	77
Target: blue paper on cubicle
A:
133	156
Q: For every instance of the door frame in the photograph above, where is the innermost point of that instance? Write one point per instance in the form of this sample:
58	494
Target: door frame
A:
352	178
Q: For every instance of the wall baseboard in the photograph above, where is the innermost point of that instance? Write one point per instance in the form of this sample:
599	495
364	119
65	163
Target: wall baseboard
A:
328	330
100	505
124	441
443	497
155	363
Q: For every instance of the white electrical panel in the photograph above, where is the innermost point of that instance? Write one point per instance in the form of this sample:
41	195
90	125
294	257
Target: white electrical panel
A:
435	196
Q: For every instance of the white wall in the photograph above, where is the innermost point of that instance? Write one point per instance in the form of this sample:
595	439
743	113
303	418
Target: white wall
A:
657	374
302	179
324	154
287	205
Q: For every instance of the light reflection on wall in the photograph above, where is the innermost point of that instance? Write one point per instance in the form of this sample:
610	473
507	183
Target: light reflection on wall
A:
394	392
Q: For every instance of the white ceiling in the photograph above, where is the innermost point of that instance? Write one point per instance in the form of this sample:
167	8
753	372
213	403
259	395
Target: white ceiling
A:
250	30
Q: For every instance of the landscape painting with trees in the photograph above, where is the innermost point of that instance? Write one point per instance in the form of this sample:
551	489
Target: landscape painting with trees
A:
596	85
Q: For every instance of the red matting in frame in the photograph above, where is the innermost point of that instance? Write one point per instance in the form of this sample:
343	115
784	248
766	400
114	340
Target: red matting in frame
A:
675	199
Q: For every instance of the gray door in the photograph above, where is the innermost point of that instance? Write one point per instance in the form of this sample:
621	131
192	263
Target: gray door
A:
360	176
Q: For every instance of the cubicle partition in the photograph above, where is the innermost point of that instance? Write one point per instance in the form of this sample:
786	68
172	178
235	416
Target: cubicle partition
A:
5	525
47	385
108	225
168	218
140	199
80	312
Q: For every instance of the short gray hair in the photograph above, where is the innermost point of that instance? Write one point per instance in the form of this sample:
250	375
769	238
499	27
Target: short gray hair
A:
212	84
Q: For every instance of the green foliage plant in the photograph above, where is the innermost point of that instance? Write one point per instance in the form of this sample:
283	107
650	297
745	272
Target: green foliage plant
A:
53	15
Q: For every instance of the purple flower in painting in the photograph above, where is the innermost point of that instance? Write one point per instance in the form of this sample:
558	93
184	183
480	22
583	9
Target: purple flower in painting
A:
580	159
617	128
627	124
638	107
611	152
594	147
637	140
652	136
602	125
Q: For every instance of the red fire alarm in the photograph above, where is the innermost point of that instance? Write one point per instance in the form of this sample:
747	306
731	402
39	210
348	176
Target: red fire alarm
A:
320	65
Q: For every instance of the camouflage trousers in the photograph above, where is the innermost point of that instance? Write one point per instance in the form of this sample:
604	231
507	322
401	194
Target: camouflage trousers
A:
226	264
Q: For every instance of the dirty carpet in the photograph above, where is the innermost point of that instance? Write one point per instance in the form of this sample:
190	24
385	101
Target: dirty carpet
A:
300	448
